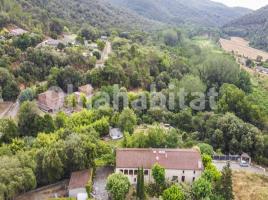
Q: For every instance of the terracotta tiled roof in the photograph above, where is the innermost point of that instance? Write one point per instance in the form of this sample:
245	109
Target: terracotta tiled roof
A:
79	179
184	159
51	99
86	89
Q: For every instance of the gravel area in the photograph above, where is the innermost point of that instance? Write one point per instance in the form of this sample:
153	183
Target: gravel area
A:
100	179
236	167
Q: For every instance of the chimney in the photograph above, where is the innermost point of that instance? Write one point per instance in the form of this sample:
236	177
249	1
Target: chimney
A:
199	164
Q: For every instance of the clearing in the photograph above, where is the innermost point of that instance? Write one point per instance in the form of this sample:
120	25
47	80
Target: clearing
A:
241	47
4	108
248	186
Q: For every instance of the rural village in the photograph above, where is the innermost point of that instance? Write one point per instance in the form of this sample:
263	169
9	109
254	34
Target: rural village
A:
74	125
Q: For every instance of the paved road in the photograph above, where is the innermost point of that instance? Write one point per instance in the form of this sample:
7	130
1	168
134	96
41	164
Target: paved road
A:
236	167
100	182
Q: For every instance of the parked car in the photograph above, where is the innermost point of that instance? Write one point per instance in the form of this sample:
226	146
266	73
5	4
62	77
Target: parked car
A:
244	163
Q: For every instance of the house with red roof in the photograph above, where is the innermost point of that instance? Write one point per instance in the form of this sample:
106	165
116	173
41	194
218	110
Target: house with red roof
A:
78	183
182	165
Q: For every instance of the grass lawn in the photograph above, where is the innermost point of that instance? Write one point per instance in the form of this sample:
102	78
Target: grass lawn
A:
248	186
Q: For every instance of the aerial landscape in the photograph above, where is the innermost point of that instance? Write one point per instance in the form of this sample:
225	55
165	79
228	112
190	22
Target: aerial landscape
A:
133	100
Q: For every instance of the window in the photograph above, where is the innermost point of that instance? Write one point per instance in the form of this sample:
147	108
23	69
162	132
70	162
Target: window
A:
146	172
194	171
193	179
135	180
183	171
182	178
121	170
126	172
174	179
130	172
135	172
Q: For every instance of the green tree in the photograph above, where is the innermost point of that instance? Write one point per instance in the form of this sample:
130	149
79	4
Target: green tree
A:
140	184
175	192
127	120
226	183
159	174
118	186
201	189
205	149
29	120
8	130
52	165
60	120
48	124
206	160
244	82
217	70
56	27
83	100
171	37
26	95
16	176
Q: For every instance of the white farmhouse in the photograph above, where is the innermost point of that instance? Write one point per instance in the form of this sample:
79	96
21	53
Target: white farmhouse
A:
182	165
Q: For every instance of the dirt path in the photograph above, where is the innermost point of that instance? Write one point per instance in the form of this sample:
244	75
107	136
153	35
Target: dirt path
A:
104	55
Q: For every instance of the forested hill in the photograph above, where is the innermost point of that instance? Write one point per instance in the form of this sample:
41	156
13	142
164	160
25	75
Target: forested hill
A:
202	12
98	13
253	26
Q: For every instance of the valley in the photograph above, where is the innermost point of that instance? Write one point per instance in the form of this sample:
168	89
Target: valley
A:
132	99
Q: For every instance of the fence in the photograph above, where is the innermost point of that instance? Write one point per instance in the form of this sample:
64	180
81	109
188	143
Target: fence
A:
227	157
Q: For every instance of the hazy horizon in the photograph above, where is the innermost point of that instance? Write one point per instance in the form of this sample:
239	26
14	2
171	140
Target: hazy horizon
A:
244	3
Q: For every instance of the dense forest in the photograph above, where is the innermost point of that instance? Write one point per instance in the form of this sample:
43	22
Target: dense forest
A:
37	148
178	12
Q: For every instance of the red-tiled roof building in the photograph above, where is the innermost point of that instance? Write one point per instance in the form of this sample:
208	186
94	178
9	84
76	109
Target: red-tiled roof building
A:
51	101
182	165
78	182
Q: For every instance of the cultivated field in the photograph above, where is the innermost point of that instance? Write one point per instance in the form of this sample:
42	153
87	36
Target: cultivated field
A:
249	186
241	47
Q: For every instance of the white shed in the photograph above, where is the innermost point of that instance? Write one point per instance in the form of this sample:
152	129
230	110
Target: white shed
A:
115	133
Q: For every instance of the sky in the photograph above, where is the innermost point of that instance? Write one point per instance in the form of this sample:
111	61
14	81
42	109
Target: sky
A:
252	4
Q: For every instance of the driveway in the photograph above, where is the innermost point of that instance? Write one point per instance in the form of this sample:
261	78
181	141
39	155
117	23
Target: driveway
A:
99	185
236	167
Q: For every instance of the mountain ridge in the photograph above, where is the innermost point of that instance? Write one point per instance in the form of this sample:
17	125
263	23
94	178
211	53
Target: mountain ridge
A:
175	12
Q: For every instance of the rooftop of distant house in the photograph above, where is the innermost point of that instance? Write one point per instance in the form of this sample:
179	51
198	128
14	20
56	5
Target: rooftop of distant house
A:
86	89
79	179
17	31
184	159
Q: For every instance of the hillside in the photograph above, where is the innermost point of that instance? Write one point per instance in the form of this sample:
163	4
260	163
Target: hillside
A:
176	12
98	13
253	26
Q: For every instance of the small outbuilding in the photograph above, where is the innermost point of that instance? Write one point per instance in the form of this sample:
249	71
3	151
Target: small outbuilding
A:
49	42
78	183
116	133
245	159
